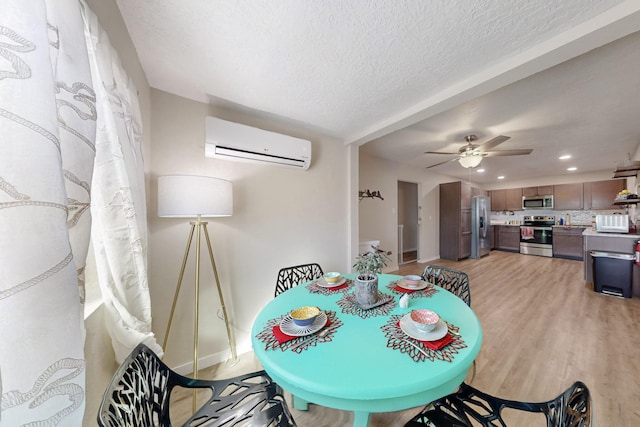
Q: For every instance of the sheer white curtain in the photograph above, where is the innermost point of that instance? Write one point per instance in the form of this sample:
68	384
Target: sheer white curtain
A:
53	129
47	128
118	203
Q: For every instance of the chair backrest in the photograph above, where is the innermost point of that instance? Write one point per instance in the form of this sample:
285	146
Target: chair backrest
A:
139	394
289	277
571	408
456	282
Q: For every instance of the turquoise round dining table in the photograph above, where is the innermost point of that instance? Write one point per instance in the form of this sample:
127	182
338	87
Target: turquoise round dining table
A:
361	367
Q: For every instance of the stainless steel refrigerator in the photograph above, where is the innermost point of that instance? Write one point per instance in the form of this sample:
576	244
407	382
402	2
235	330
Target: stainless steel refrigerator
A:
480	226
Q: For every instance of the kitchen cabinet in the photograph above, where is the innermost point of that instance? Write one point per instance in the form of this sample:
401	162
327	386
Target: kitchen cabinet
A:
601	194
493	232
509	199
568	197
455	220
513	199
507	238
498	200
543	190
567	242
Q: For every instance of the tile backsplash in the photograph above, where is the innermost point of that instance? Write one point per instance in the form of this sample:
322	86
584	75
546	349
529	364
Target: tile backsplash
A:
575	217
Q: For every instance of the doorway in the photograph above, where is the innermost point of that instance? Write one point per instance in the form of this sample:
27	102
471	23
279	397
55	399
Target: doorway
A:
408	222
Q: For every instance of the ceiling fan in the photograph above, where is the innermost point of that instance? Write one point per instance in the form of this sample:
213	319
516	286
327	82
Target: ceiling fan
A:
470	155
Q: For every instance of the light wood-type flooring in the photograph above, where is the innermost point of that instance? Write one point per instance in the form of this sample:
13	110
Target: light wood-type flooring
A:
543	329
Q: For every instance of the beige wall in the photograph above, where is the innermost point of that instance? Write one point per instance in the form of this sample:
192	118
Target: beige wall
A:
282	217
378	219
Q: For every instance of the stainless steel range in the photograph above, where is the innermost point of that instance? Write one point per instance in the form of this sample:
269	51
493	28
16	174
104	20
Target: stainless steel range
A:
536	235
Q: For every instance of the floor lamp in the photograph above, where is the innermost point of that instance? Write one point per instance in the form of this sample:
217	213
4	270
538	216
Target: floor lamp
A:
187	196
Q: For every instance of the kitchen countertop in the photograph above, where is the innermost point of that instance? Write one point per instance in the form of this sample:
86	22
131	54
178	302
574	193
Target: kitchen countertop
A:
590	233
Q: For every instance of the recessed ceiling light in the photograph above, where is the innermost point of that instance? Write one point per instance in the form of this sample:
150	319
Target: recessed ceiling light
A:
501	177
480	170
565	157
572	168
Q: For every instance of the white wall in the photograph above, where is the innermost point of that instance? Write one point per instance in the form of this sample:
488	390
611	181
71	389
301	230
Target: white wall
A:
378	218
282	217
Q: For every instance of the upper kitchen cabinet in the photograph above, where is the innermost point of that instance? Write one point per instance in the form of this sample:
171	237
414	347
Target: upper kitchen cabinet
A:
455	220
544	190
513	199
568	196
601	194
498	200
506	200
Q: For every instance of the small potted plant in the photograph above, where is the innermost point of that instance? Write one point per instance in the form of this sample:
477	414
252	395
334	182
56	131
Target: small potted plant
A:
368	265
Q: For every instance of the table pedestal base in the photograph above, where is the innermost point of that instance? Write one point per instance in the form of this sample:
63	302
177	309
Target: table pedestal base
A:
300	404
361	419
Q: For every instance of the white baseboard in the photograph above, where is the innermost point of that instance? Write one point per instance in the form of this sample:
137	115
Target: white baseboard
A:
423	260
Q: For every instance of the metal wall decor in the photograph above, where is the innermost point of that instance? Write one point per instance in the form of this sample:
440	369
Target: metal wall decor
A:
368	194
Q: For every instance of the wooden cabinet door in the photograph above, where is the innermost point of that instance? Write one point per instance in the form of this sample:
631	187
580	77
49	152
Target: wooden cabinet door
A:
492	236
546	190
498	200
513	199
508	238
603	193
542	190
465	195
465	245
568	197
567	243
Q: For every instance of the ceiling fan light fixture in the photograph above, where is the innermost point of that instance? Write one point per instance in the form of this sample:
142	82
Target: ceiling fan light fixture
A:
470	161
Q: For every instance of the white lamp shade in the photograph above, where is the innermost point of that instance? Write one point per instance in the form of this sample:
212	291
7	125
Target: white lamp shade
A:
470	161
187	196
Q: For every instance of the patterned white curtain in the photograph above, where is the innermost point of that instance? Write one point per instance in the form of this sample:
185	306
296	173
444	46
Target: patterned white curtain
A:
118	202
53	129
47	128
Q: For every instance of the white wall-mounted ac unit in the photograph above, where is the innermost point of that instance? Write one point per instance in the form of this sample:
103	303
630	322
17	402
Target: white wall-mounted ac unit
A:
235	141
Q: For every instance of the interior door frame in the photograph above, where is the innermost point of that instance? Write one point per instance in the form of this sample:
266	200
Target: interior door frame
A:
414	191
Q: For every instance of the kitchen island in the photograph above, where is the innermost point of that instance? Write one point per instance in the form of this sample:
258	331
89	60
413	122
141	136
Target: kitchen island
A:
609	242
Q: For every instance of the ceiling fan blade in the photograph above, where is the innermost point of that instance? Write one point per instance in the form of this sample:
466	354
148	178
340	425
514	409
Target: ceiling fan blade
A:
521	152
442	163
493	142
441	152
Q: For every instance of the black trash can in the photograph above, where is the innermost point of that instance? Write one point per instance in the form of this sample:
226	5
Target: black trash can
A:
613	273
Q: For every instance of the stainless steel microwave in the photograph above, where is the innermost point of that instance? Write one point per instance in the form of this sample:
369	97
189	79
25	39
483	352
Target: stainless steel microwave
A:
537	202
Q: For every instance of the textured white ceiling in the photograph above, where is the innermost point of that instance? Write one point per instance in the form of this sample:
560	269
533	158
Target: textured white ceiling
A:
359	70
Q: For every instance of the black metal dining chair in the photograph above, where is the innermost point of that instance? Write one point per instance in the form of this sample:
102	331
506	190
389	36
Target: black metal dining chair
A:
454	281
288	277
471	407
140	391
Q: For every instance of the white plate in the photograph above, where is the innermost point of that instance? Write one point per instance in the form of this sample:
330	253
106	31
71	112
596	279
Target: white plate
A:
323	283
423	284
288	326
409	328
